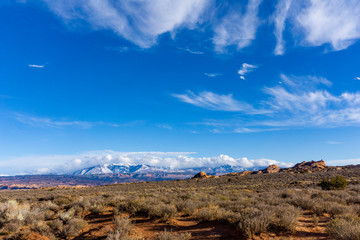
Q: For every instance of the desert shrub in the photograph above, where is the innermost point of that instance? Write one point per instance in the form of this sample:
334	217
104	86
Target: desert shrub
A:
56	225
97	208
335	209
136	207
49	215
344	228
214	213
116	235
121	230
166	235
50	206
304	202
73	227
356	209
315	220
11	227
333	183
62	200
35	214
255	222
12	210
285	219
66	215
81	204
354	200
162	211
188	207
43	229
320	207
13	215
287	194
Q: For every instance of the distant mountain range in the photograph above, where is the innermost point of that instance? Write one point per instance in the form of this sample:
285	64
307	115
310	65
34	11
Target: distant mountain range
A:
146	169
124	173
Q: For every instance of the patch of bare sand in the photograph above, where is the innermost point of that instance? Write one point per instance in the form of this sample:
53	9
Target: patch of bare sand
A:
202	231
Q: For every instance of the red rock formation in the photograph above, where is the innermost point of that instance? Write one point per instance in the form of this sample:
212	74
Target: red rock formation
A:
272	169
202	175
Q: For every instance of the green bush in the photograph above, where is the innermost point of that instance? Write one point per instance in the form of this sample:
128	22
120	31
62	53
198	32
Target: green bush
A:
333	183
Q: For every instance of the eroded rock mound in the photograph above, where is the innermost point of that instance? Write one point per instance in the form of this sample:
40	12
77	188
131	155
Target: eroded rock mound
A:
271	169
312	166
202	175
303	167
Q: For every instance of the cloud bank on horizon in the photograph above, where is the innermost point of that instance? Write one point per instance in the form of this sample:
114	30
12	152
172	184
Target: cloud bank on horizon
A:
64	164
60	164
310	22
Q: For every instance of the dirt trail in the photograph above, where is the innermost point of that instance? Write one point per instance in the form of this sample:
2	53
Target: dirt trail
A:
307	230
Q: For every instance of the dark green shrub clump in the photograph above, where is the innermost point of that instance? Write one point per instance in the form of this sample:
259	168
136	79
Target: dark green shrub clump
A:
333	183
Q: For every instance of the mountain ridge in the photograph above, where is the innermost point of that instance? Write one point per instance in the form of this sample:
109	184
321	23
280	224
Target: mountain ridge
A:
114	168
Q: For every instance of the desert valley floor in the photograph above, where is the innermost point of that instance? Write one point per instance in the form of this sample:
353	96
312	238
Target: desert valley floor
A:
271	204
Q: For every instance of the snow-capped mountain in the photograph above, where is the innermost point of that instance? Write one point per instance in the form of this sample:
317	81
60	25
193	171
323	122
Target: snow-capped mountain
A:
141	168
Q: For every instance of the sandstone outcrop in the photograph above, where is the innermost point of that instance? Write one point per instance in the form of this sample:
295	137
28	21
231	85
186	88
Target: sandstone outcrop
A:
312	166
271	169
202	175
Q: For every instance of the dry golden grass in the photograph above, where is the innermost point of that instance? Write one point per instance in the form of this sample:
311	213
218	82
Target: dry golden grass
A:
251	205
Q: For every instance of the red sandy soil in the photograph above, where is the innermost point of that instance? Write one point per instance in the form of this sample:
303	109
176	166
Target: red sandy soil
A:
144	228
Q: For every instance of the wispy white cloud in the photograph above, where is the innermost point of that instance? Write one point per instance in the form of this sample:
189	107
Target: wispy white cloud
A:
279	18
335	22
215	102
180	160
343	162
357	78
300	101
254	130
138	21
191	51
36	66
119	49
333	142
312	22
165	126
236	28
212	75
245	69
51	123
305	105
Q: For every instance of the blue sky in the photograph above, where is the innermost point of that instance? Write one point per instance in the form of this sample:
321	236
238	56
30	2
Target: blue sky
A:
264	81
